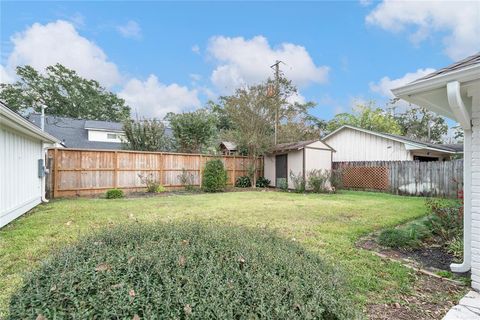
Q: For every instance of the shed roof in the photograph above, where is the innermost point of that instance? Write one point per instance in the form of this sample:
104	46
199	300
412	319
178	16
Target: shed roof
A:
231	146
294	146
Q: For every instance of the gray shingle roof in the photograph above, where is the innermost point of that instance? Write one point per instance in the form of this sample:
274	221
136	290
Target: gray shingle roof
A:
469	61
103	125
71	132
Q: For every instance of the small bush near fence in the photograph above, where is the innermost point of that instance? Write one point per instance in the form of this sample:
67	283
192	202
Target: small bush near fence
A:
152	183
243	182
187	180
114	194
262	182
184	271
214	176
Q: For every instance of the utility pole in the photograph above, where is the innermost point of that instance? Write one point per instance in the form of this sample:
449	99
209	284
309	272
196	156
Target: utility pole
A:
276	67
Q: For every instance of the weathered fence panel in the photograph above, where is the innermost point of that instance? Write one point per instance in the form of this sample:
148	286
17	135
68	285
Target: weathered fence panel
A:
77	172
435	179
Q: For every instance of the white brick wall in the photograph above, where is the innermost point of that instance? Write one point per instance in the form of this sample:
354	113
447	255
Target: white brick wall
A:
475	191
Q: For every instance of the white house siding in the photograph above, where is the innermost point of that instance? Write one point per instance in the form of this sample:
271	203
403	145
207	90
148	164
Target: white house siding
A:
354	145
475	190
20	187
295	165
102	136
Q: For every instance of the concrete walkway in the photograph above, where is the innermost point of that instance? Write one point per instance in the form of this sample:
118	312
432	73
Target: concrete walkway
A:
467	309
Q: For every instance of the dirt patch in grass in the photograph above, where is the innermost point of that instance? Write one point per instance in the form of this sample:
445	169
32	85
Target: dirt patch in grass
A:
430	256
428	299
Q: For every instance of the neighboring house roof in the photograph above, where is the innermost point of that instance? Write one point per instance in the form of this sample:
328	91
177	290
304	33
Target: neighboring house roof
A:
294	146
464	63
104	125
12	119
413	142
71	132
230	146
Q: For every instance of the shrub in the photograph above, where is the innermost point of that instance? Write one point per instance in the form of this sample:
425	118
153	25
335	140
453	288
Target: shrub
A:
455	247
153	184
262	182
184	270
446	218
214	176
243	182
318	180
336	179
114	194
298	182
186	180
396	238
282	184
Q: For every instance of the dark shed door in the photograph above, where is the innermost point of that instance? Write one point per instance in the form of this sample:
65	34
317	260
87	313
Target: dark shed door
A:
281	170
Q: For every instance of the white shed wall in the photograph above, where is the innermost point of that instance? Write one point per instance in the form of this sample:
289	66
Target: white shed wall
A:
353	145
269	169
317	159
295	165
20	187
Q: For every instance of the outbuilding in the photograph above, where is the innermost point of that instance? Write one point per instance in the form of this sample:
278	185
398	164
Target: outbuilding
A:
296	158
22	174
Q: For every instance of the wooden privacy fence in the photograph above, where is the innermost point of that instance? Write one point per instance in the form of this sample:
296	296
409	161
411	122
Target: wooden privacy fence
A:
89	172
436	178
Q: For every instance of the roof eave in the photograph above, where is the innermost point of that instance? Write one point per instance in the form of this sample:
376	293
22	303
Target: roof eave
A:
26	127
439	81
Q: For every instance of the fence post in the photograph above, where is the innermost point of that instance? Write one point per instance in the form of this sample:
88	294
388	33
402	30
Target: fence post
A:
55	172
115	169
162	167
234	173
200	172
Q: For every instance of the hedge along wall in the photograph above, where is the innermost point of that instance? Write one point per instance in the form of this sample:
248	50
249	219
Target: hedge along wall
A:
433	179
77	172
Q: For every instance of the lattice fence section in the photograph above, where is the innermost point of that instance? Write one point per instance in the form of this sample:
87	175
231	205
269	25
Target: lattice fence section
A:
375	178
432	179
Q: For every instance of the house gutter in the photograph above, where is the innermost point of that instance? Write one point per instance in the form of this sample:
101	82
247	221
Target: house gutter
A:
462	115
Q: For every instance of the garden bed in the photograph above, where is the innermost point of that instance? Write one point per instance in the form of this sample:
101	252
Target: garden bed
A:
430	257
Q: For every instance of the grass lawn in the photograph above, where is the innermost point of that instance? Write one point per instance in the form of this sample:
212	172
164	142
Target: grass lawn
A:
327	224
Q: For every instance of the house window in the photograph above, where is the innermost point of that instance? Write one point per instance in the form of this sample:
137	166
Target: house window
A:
112	136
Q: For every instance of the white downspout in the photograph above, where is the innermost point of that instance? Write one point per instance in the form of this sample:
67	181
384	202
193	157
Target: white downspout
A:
458	108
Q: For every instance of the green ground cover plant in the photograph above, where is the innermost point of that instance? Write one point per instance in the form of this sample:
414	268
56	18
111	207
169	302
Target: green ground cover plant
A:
182	270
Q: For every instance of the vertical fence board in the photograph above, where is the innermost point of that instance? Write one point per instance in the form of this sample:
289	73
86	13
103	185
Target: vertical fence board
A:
88	172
